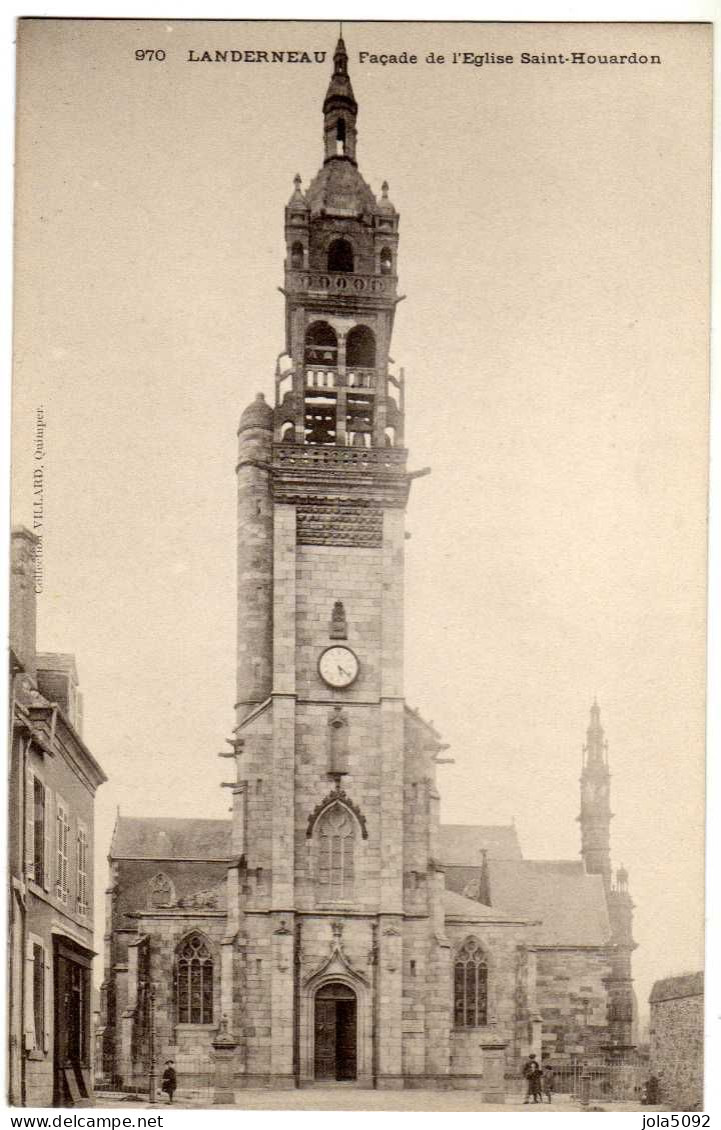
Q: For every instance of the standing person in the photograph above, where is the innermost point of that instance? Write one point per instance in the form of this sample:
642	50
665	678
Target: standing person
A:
170	1080
548	1081
532	1075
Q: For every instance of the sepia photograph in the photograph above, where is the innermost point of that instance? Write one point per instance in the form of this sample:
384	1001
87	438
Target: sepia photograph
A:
358	565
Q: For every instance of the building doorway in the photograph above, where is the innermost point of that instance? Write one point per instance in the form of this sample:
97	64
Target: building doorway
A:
73	1084
336	1026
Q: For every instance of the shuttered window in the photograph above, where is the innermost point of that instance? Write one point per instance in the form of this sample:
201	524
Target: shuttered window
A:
38	831
83	886
62	872
39	995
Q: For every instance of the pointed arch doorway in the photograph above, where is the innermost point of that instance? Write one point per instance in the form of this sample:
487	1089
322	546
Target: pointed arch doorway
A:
336	1032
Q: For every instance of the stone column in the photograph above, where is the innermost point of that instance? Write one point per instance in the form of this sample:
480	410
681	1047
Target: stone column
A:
223	1057
390	996
281	1003
494	1069
342	395
537	1036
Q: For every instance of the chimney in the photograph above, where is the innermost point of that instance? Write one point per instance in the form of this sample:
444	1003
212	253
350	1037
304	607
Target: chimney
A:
23	604
57	679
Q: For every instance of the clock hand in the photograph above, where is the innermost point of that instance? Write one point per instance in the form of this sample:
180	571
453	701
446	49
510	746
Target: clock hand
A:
342	671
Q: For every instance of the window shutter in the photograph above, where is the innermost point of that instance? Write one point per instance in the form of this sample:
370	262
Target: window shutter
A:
30	824
29	1018
48	840
47	987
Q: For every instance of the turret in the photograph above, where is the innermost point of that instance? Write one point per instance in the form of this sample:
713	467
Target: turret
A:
340	110
255	558
595	816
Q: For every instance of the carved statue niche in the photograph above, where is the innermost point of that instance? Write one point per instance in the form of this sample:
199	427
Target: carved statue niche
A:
162	892
338	625
338	727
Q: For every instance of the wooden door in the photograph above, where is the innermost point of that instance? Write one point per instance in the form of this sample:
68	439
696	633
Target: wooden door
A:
345	1027
325	1039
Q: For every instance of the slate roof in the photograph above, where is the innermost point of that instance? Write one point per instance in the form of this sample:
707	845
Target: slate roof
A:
339	189
170	837
570	904
672	988
460	909
462	844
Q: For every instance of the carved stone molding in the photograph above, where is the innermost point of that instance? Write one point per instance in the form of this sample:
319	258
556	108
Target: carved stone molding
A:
336	795
339	524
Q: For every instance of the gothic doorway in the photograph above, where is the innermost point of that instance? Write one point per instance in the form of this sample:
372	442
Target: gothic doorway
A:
336	1029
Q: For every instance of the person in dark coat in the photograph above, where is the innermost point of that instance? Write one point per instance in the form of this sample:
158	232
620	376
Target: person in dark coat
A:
170	1080
548	1081
532	1074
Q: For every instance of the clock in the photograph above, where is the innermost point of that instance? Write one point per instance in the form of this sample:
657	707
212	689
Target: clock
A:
338	667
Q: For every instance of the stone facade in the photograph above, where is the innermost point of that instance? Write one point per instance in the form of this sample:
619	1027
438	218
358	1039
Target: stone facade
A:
677	1040
341	948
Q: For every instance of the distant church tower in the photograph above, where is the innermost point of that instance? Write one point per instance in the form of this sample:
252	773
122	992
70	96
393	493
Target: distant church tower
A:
339	898
595	820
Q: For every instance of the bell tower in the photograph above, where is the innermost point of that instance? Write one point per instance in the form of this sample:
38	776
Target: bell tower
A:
340	291
324	798
595	820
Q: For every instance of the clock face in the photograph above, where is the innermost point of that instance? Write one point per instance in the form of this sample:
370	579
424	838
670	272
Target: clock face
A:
338	666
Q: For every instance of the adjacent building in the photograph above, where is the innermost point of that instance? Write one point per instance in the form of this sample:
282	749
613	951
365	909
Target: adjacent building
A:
53	778
676	1033
332	929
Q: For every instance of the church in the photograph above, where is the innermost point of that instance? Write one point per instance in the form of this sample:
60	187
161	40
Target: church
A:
333	929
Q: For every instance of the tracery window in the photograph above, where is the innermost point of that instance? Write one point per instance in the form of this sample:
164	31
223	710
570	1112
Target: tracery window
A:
470	986
194	981
335	832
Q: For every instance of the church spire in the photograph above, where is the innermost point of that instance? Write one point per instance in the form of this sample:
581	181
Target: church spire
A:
595	816
340	110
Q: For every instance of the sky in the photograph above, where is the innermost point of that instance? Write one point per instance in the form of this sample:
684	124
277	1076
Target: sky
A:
554	254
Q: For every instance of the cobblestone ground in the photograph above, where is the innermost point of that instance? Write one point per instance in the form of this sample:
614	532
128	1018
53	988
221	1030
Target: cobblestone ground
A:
351	1098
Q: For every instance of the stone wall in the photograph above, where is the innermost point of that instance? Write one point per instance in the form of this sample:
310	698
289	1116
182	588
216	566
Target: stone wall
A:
572	1000
677	1040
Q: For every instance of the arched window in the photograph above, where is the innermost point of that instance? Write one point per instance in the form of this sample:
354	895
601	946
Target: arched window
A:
296	256
340	255
470	986
335	842
321	344
194	981
386	261
360	348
